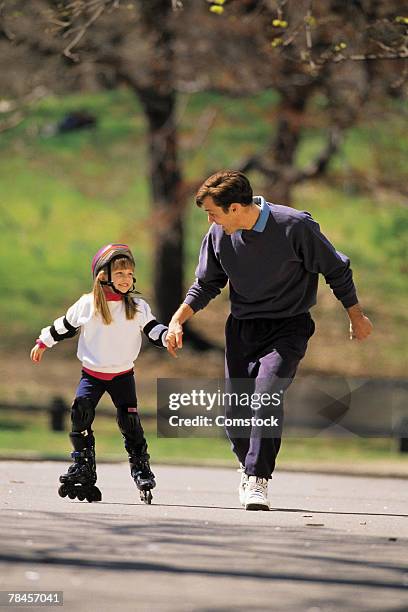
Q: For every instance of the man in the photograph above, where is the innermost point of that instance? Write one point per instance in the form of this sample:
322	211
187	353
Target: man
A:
272	256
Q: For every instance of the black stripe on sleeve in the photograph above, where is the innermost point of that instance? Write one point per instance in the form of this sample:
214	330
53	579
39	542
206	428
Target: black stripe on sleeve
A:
71	329
69	334
149	326
54	334
161	336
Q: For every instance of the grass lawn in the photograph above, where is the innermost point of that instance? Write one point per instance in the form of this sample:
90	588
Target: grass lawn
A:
66	195
29	436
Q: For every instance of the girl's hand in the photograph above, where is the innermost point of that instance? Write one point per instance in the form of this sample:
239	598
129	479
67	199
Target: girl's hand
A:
36	353
171	345
174	338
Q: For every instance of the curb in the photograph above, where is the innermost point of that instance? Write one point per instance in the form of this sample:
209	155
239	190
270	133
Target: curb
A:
376	470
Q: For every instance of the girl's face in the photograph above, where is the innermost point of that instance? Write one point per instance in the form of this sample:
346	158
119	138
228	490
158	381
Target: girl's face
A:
122	279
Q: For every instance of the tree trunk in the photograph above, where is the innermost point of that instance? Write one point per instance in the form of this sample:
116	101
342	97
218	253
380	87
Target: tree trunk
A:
281	155
158	99
165	180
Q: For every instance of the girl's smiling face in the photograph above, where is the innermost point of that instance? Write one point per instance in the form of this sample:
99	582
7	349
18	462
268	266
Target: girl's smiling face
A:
122	279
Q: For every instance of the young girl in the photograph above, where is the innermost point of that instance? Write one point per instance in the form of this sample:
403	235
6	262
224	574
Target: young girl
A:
111	320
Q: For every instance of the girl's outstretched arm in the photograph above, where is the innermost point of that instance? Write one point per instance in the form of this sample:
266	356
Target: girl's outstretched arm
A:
63	327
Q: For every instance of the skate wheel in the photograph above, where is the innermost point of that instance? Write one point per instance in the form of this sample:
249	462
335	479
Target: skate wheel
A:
81	495
97	495
94	495
146	496
62	491
72	494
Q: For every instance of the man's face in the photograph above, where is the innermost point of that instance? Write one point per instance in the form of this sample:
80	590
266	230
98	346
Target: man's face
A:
227	220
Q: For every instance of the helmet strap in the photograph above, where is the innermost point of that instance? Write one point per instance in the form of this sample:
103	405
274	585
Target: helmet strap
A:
112	286
109	283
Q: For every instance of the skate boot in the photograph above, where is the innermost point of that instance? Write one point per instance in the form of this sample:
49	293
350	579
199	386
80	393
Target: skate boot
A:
79	481
142	475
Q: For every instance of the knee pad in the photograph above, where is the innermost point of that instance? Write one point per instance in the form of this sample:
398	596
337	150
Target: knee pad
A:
82	414
82	441
128	419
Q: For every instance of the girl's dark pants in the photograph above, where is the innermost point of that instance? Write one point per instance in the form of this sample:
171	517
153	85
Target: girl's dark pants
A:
266	352
122	390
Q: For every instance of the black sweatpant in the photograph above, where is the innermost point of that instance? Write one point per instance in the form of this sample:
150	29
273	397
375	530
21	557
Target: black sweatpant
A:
122	391
268	352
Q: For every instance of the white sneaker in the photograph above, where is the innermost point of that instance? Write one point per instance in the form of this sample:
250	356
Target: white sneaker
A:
257	494
242	485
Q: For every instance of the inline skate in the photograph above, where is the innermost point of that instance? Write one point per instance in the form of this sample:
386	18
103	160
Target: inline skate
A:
79	481
142	475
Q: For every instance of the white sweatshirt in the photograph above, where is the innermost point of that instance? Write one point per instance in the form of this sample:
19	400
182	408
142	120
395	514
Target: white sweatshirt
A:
106	348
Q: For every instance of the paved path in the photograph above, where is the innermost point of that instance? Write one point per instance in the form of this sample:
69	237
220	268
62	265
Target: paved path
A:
330	543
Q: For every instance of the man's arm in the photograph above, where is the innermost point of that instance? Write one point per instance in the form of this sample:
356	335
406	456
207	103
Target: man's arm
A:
210	276
320	256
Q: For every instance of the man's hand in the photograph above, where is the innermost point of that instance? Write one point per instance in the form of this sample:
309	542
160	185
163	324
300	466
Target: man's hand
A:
36	353
174	337
360	325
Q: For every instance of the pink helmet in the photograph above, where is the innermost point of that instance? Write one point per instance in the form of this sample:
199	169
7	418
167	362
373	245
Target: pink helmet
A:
104	258
107	254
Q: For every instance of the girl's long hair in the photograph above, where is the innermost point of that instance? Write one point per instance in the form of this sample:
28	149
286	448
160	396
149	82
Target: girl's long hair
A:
101	303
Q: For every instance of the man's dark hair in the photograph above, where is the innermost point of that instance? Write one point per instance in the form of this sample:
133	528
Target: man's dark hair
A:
225	188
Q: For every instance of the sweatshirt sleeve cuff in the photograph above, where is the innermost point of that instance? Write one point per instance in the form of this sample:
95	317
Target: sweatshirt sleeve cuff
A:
193	302
350	301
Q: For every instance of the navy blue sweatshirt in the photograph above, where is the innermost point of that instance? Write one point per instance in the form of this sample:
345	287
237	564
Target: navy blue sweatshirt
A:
272	268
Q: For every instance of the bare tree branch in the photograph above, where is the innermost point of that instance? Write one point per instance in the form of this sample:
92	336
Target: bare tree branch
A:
309	42
256	162
281	6
203	127
81	33
371	56
319	166
3	27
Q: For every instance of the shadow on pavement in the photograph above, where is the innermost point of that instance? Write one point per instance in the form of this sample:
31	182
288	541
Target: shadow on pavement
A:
208	549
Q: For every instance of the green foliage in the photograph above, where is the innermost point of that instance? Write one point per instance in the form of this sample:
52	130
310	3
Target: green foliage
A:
278	23
340	47
277	42
74	192
29	435
310	20
216	6
66	195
